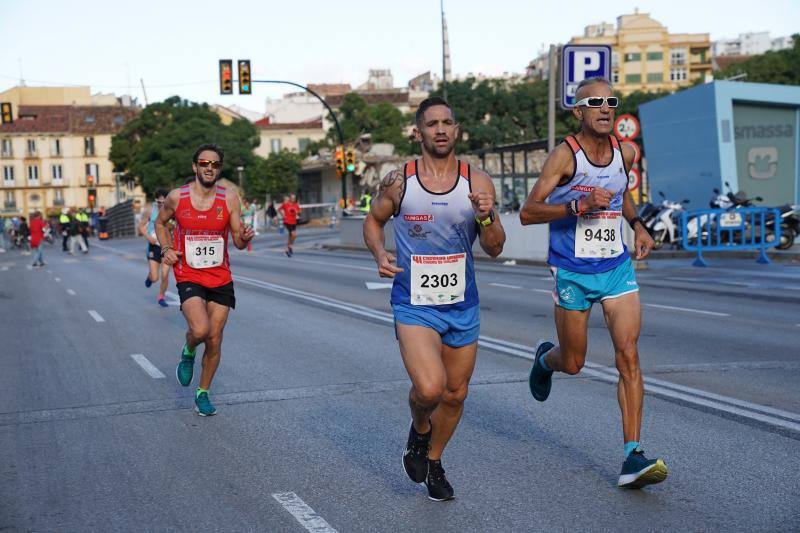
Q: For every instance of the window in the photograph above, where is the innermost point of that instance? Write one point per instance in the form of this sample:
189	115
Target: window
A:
633	78
31	146
7	151
58	198
88	144
92	174
10	199
33	175
633	57
58	177
8	175
614	59
677	56
275	146
56	147
302	144
655	56
677	74
615	77
655	77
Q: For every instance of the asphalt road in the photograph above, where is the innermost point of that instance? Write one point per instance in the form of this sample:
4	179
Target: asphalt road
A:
97	435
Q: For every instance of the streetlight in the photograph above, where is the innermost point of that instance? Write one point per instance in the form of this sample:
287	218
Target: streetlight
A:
240	170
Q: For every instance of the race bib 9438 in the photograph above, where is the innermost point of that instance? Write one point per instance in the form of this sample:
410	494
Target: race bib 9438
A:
438	279
597	235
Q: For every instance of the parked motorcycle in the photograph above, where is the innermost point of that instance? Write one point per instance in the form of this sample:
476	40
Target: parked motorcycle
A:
665	224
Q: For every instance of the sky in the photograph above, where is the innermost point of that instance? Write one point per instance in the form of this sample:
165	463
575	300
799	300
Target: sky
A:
175	45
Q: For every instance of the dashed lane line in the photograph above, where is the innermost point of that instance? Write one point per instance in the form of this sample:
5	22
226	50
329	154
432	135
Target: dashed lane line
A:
304	514
147	366
96	316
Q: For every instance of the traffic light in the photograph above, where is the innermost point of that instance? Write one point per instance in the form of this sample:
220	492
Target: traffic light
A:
92	196
226	76
5	110
350	160
245	87
339	160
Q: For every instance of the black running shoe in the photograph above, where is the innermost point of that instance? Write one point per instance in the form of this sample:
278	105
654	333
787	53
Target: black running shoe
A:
415	456
540	380
439	489
638	471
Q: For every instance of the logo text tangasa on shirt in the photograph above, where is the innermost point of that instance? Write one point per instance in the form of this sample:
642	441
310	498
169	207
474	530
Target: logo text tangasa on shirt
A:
418	218
582	188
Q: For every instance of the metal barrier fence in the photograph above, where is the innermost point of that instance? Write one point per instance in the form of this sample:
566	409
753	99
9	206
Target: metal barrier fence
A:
746	228
120	220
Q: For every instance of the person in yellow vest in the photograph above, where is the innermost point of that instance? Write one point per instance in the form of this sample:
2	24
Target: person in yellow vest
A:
83	221
63	220
365	201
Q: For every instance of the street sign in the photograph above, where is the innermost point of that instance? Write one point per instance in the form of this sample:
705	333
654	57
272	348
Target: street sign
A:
626	127
579	62
634	179
637	152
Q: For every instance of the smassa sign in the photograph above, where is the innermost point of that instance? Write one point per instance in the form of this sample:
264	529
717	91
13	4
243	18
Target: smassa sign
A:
579	62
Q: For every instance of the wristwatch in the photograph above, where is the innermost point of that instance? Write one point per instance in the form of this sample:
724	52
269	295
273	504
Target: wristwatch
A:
486	221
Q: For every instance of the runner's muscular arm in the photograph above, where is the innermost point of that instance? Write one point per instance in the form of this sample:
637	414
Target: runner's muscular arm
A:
381	210
559	165
493	236
241	233
167	211
643	242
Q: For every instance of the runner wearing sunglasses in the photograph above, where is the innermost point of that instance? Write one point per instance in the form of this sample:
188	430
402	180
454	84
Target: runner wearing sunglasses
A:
205	213
582	193
148	229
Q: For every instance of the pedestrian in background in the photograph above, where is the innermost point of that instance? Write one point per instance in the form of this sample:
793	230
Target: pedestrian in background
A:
271	214
37	238
63	221
75	238
24	233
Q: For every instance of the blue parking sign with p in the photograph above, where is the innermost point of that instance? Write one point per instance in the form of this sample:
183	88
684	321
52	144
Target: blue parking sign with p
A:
579	62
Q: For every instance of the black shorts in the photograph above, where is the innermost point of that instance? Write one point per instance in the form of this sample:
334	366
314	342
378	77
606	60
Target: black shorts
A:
222	295
290	227
154	252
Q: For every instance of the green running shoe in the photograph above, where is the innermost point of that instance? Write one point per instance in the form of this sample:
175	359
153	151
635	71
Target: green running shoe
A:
203	405
185	368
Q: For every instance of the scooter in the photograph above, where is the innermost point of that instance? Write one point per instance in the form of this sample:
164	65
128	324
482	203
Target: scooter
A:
790	226
665	224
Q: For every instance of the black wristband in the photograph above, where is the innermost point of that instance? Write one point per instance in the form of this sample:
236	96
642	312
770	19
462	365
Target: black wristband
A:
633	222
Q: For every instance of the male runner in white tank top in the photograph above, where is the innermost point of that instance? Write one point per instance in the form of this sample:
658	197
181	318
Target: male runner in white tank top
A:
439	206
582	193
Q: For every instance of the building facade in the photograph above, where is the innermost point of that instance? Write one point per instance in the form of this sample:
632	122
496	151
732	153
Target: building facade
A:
750	44
294	137
744	134
55	153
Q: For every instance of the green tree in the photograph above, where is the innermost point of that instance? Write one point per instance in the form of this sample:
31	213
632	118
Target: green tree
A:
157	146
383	121
781	67
275	175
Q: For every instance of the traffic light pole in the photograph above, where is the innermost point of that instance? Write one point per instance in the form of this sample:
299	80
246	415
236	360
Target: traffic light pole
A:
335	121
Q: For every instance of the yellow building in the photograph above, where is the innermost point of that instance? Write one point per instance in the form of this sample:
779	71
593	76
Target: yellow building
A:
55	152
646	57
294	137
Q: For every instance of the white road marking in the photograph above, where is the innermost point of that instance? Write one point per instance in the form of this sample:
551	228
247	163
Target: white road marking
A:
673	308
147	366
71	292
696	397
4	269
304	514
505	286
49	271
545	291
96	316
70	261
372	285
174	298
326	263
29	267
58	280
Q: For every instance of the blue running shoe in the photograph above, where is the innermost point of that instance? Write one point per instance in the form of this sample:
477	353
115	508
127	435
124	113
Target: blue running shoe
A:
203	405
147	282
162	302
185	369
638	471
540	379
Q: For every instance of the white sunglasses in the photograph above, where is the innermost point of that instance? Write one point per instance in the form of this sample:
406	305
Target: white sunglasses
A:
598	101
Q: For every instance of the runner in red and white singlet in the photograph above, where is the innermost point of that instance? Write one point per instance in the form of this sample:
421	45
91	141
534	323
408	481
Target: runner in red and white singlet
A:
291	211
204	212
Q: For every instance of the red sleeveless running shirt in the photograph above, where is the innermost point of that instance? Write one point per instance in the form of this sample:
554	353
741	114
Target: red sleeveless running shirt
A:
202	238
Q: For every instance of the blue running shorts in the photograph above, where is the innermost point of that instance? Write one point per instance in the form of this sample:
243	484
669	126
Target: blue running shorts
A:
577	292
457	328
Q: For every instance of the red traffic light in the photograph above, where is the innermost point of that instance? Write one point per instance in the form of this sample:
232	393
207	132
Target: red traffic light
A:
226	76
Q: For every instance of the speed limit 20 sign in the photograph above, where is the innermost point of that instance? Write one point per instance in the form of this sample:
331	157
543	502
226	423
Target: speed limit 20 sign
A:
626	127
